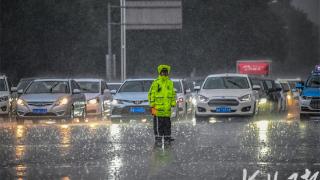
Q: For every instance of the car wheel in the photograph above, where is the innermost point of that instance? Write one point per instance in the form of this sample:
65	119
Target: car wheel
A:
304	117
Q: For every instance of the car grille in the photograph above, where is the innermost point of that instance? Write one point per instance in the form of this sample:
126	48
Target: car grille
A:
223	102
40	103
315	103
135	102
45	114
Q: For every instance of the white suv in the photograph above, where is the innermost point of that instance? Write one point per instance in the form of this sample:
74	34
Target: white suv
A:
4	96
228	95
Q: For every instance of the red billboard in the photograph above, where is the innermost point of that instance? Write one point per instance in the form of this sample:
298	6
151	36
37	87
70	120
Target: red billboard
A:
253	67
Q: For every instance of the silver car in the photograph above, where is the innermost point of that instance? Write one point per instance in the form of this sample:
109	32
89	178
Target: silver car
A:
226	95
131	100
4	96
51	99
184	99
98	97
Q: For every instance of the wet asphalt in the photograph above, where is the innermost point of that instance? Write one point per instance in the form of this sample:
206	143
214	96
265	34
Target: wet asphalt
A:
278	146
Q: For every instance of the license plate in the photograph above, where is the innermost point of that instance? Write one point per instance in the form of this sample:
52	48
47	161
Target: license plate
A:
39	111
137	110
223	109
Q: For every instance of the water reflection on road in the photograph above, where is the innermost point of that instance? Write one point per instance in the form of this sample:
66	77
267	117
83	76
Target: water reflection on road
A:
217	149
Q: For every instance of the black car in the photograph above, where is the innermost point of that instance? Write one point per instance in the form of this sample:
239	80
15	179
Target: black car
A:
269	94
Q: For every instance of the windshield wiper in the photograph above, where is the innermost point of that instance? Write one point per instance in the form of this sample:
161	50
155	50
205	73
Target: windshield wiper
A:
234	83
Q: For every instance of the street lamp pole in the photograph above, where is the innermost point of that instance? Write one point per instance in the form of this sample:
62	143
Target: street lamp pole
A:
123	40
109	57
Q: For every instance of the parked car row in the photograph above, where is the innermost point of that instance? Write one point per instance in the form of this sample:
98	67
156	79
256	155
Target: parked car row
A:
217	95
53	98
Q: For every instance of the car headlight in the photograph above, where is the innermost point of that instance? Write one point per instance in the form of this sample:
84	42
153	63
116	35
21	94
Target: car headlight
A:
62	101
245	97
117	101
4	98
306	97
263	101
21	102
93	101
203	98
289	96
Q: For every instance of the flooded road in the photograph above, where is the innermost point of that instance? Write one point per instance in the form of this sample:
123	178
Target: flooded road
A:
236	148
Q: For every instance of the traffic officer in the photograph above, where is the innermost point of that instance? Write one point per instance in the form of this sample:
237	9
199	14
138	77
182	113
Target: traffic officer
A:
162	97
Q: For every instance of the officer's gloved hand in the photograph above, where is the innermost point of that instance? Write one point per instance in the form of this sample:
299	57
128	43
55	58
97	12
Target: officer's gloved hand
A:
153	111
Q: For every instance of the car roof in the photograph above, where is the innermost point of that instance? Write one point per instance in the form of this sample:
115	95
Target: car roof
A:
49	79
116	83
228	74
286	80
88	80
176	79
140	79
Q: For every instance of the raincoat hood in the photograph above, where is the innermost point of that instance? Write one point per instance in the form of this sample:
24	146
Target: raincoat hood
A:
163	66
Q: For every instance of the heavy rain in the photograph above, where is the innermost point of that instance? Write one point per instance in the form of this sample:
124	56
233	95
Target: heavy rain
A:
160	89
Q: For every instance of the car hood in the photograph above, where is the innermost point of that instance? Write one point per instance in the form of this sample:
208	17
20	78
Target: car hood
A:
224	92
138	96
91	95
311	92
45	97
4	93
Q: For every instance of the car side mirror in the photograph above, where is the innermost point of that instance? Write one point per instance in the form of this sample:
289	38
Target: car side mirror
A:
298	86
106	91
188	91
256	87
197	88
14	89
113	91
20	91
76	91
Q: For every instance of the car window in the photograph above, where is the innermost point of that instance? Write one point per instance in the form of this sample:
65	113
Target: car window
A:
48	87
89	87
136	86
285	86
3	85
313	82
75	85
114	86
177	86
269	84
226	83
103	86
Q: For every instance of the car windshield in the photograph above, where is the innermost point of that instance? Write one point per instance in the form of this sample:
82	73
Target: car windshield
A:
48	87
114	86
23	84
313	82
3	85
292	84
177	86
136	86
89	87
226	83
